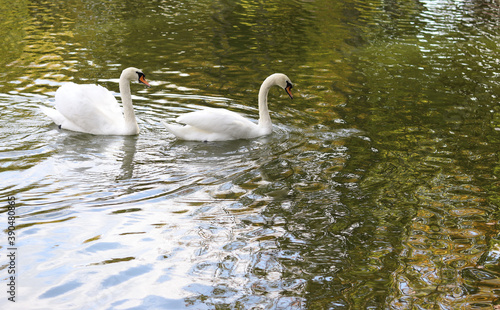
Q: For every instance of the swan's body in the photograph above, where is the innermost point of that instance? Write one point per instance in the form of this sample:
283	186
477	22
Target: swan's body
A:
93	109
220	124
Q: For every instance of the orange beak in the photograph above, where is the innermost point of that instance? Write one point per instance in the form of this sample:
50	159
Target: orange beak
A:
143	81
288	90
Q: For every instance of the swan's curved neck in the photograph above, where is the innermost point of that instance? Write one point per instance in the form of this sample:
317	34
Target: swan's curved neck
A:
128	109
264	118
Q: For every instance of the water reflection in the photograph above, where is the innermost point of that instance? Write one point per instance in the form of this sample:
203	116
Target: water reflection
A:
377	189
430	155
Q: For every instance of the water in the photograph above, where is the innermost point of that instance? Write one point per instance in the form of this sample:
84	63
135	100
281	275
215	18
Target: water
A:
377	190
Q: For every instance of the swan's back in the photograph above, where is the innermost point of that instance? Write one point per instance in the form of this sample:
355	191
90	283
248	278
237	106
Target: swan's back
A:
89	106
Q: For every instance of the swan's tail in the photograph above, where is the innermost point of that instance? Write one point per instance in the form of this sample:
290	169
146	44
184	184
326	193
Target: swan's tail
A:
187	132
173	129
176	130
59	119
53	114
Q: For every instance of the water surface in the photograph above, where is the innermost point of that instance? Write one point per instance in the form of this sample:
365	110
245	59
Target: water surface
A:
378	188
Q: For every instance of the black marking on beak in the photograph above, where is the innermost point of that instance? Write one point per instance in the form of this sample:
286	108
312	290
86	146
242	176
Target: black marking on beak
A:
288	89
142	78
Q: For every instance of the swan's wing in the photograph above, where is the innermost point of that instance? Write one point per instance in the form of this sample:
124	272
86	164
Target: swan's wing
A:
218	121
90	107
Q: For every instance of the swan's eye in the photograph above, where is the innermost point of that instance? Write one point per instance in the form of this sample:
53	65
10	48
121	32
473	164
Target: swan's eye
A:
289	85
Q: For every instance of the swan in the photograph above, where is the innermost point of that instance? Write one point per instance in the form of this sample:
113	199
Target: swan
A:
93	109
216	124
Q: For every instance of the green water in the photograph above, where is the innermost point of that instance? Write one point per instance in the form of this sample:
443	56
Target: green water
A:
378	188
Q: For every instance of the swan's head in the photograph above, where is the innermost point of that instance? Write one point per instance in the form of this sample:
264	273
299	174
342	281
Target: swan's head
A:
282	81
134	74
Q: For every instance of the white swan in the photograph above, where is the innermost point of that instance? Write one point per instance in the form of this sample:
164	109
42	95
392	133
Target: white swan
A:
213	124
93	109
